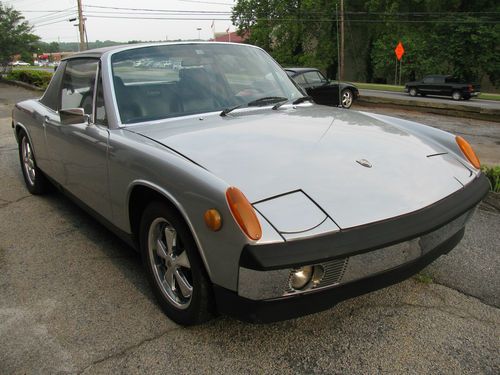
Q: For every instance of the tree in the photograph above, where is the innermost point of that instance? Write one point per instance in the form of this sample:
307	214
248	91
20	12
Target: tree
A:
294	32
458	37
15	35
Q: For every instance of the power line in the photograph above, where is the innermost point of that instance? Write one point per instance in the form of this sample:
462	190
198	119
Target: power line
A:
158	10
205	2
325	20
50	23
51	16
97	12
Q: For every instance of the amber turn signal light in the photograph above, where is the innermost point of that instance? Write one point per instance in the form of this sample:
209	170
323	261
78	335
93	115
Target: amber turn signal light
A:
213	219
243	213
468	151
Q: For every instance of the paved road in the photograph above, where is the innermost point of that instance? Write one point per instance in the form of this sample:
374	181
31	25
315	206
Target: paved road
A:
74	299
493	104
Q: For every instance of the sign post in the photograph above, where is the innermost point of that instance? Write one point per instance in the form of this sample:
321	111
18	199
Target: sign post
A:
399	51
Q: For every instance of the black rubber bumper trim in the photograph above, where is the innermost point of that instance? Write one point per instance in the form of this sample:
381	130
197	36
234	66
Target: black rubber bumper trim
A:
266	311
366	237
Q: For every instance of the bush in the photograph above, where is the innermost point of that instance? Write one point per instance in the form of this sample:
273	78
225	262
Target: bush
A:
493	173
39	78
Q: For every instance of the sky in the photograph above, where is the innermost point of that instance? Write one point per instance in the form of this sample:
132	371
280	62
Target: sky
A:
50	19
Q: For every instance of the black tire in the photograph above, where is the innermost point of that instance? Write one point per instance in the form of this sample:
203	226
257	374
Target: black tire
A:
35	180
200	306
413	91
347	98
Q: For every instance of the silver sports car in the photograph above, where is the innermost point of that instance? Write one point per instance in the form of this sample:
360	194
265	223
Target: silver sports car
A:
243	196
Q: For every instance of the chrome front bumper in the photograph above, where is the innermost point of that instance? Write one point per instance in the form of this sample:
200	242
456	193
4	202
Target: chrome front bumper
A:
271	284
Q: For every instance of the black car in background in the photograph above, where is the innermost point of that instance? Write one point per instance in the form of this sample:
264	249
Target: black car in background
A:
321	89
443	85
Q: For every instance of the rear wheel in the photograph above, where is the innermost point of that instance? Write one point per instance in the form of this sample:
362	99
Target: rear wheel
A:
413	92
174	267
34	178
347	98
456	95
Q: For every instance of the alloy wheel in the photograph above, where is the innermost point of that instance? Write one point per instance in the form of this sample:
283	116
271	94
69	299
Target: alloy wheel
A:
170	263
28	160
346	98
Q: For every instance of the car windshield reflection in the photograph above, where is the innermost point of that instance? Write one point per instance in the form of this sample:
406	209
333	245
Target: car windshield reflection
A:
167	81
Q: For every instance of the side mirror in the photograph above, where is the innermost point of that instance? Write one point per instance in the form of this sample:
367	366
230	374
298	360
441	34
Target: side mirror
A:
73	116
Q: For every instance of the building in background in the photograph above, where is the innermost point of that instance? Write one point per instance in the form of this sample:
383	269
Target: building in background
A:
225	36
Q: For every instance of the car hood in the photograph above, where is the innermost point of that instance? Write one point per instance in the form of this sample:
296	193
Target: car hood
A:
319	151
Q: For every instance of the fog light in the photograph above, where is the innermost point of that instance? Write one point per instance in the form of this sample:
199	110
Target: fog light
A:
301	277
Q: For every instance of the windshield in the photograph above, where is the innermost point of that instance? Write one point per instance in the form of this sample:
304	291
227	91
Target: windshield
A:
176	80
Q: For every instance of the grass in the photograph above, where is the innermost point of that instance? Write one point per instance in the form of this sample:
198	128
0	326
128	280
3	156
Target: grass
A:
423	278
493	174
489	96
379	86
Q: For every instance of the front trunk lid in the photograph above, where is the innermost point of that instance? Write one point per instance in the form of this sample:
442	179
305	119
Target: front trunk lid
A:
356	168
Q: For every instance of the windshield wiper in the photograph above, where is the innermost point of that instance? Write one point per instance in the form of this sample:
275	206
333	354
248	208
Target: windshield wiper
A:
266	100
296	101
303	99
229	109
255	103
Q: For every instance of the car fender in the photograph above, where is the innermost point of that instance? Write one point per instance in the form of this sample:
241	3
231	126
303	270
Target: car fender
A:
170	197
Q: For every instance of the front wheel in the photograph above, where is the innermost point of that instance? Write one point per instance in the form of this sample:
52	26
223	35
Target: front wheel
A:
174	267
456	95
35	181
347	98
413	92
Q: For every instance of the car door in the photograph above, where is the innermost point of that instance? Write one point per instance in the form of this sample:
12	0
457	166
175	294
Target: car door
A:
427	86
79	151
320	90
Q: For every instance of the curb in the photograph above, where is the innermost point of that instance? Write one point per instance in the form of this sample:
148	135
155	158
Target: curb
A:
456	110
21	84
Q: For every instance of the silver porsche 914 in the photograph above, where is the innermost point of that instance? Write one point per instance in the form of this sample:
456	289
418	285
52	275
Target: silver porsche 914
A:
243	196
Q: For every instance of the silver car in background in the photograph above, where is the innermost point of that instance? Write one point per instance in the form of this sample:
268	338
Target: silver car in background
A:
243	196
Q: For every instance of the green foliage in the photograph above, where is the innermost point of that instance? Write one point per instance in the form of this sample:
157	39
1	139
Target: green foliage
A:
39	78
493	174
294	32
15	35
424	278
458	37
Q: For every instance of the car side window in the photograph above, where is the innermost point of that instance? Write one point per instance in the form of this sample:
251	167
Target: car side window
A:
313	77
100	108
429	80
78	82
300	79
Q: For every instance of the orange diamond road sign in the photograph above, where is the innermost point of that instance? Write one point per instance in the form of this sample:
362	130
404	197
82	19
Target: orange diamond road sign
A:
399	50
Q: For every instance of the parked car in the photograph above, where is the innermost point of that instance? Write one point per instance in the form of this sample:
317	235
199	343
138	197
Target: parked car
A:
443	85
242	195
20	63
321	89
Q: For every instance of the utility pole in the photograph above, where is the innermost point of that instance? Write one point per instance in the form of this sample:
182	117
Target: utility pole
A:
81	26
341	62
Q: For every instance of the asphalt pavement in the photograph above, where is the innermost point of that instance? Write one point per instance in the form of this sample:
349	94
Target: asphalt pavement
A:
74	299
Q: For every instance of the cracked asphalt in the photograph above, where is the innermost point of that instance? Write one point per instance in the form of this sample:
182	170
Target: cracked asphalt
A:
74	299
